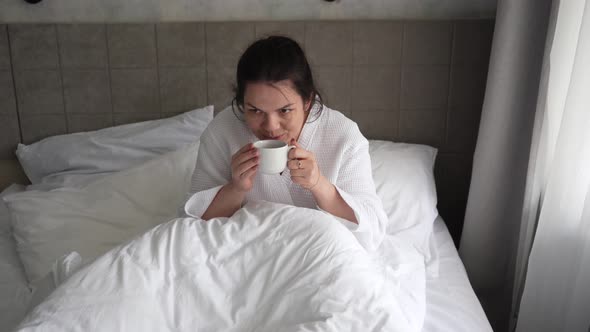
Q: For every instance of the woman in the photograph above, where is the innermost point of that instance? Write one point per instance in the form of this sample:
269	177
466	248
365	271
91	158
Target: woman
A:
329	169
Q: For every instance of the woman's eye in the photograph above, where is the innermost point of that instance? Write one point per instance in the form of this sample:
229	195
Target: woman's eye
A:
255	110
285	110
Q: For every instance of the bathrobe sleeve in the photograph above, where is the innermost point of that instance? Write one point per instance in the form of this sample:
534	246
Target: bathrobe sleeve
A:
355	184
212	171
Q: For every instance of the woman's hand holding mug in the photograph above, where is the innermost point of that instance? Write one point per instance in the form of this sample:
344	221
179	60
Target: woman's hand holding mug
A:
270	157
244	165
303	167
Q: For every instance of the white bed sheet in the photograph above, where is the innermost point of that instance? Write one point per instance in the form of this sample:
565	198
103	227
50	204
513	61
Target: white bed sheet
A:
321	279
451	303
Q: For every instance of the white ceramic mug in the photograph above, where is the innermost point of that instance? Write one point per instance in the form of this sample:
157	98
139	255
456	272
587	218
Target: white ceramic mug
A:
273	156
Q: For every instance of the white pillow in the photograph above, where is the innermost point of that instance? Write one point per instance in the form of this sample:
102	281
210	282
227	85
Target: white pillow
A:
93	219
404	180
76	159
5	225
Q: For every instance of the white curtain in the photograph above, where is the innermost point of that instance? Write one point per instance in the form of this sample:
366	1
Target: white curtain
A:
526	239
556	294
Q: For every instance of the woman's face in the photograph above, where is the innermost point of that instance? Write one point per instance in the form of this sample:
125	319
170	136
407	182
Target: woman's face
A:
274	110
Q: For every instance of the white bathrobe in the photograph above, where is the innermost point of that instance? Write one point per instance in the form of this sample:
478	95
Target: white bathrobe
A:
342	154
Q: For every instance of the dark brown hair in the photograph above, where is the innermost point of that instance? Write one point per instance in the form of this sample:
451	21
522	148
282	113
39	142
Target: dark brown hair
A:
273	59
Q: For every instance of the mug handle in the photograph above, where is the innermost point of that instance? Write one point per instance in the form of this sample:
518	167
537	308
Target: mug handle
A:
291	147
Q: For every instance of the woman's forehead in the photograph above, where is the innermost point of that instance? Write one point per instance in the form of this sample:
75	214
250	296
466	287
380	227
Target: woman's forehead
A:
275	94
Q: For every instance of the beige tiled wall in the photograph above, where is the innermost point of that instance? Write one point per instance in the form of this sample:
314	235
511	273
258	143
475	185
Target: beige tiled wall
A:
413	81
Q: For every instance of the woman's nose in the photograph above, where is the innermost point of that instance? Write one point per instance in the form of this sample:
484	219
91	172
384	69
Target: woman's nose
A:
271	123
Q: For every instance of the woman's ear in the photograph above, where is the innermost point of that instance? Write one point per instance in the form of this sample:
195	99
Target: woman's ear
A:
307	104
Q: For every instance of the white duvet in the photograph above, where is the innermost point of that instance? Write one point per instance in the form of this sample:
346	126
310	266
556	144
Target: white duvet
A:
270	267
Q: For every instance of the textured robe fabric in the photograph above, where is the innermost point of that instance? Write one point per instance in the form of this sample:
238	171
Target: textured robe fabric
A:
341	152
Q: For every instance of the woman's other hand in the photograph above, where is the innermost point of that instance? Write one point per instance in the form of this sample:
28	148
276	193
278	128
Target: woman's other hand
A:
244	165
303	167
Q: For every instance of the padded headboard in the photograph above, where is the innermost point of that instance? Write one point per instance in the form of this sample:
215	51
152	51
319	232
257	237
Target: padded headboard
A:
411	81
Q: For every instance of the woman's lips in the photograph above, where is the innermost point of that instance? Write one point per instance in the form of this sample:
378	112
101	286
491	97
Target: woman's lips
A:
275	137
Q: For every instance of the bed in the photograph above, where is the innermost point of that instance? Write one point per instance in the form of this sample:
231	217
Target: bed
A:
451	304
84	237
64	235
